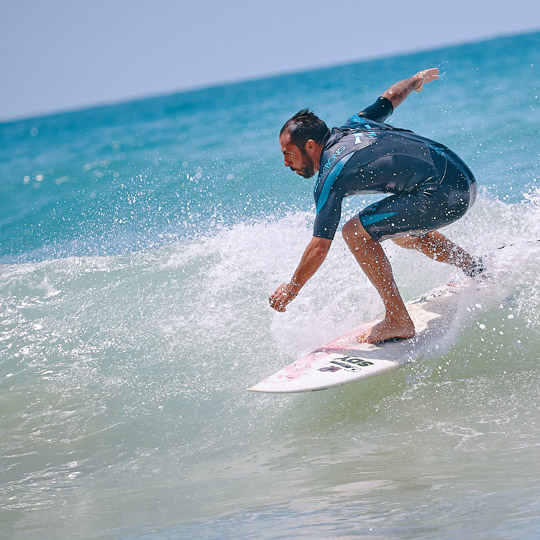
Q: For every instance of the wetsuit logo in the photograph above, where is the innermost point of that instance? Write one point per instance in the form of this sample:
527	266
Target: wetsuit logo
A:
360	137
333	157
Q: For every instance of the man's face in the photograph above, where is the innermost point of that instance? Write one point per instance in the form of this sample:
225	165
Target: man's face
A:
297	159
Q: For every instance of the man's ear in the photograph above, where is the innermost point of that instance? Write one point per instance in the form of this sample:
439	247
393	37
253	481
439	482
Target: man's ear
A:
310	146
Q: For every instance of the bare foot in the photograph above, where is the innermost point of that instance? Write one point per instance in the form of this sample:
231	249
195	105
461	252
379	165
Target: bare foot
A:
388	329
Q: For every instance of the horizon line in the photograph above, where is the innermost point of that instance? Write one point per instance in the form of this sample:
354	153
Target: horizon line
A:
240	80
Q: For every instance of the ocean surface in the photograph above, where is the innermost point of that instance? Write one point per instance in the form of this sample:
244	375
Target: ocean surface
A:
139	243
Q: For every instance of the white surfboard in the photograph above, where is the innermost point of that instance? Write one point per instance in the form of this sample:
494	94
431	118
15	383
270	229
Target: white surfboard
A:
344	360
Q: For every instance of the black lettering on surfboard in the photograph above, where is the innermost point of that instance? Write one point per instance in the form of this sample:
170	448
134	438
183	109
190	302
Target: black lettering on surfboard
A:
351	362
360	362
348	367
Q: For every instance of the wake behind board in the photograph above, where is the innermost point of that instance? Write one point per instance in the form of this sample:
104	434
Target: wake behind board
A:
344	360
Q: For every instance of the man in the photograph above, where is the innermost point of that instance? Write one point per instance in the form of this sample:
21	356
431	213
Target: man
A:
430	187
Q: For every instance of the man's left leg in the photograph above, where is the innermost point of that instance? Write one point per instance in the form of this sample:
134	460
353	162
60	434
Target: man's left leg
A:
437	247
368	252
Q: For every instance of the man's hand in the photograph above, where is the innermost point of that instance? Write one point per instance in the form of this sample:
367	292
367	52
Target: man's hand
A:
281	297
426	76
399	91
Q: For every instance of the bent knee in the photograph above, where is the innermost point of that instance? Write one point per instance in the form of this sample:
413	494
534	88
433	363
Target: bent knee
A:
404	241
354	230
348	230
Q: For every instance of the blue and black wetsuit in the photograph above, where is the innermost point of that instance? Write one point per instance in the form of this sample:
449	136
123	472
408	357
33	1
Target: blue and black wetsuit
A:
430	185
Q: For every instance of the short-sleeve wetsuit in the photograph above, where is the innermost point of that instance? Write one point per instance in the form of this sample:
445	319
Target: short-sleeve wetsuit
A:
430	185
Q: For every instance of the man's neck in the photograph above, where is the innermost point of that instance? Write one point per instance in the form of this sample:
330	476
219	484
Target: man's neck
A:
317	159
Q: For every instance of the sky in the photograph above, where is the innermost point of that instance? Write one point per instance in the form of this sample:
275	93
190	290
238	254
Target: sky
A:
58	55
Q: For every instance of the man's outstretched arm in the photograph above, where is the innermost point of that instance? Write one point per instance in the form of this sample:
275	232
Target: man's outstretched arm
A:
399	91
313	257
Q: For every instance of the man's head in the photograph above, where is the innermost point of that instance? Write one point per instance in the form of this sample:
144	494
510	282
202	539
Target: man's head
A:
301	139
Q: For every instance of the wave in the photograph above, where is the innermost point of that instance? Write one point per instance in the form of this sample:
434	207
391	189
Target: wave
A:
165	301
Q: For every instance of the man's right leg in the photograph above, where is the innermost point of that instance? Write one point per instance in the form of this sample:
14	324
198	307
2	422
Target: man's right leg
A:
437	247
371	257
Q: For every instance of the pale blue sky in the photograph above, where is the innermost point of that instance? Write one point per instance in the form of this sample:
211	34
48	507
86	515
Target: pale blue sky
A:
65	54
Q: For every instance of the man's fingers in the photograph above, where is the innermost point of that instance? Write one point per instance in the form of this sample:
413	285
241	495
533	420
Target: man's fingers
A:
431	74
279	299
277	305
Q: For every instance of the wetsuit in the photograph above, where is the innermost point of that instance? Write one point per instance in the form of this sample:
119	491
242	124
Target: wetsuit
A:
430	185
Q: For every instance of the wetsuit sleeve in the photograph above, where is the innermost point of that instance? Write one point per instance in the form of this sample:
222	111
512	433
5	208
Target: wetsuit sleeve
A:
327	219
378	111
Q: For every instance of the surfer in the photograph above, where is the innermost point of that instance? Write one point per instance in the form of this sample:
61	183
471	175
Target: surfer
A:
429	186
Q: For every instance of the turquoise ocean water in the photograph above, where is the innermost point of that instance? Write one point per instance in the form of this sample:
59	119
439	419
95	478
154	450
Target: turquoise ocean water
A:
139	244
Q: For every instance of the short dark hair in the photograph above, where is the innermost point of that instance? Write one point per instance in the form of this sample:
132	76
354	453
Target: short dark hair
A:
305	125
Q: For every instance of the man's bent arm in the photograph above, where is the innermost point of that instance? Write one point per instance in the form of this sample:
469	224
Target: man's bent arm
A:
399	91
312	258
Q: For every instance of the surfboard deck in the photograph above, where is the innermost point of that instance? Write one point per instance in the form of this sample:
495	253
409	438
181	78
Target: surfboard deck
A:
343	360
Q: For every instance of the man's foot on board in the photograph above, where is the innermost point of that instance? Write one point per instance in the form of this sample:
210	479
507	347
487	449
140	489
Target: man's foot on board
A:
387	330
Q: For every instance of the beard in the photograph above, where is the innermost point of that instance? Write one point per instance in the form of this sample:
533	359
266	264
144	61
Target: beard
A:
308	167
